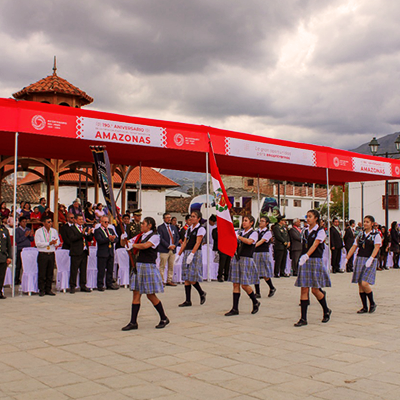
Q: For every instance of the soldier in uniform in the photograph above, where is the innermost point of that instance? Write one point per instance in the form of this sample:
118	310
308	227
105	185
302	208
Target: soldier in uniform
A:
133	229
281	245
5	255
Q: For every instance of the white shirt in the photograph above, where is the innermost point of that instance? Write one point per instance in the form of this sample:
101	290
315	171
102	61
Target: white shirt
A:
253	236
321	235
267	236
43	239
378	239
200	232
155	239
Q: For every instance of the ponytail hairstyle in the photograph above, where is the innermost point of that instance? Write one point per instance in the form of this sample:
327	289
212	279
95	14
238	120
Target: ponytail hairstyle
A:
152	222
251	219
316	215
371	218
197	213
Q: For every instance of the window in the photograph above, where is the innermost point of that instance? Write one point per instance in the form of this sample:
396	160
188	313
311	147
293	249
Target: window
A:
285	202
393	189
296	203
132	200
82	195
316	204
250	182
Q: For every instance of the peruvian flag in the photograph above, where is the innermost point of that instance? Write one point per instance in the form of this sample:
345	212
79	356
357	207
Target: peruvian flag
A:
227	241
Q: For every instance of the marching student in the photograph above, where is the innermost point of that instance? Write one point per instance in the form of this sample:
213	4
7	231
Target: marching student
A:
147	278
192	263
261	257
312	273
368	243
243	271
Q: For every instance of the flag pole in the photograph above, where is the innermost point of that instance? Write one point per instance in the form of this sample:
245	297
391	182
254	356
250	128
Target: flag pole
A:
208	218
14	258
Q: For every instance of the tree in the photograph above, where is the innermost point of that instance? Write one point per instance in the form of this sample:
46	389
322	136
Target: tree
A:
190	191
336	205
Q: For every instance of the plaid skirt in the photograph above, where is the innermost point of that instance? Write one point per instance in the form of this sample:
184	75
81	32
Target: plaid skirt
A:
192	272
264	265
361	273
243	271
313	274
147	280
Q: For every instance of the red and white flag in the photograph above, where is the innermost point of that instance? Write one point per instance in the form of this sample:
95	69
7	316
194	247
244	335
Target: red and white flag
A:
227	241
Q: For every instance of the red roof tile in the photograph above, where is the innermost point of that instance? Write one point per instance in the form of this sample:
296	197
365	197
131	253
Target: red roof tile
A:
54	84
150	177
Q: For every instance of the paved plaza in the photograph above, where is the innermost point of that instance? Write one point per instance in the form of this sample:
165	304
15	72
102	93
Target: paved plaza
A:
72	347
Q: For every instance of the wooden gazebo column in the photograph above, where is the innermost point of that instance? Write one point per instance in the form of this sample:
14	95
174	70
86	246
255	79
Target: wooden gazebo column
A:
96	184
56	175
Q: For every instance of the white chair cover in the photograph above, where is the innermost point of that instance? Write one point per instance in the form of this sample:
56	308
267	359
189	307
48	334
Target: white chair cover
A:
92	268
343	259
63	262
29	282
213	265
389	262
122	257
8	278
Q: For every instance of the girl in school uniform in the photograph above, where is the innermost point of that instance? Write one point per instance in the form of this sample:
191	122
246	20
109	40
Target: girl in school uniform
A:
192	262
261	257
147	280
243	271
368	244
312	273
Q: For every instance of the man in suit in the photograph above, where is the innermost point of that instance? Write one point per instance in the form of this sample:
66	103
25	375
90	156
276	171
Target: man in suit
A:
349	236
295	244
105	239
79	239
64	231
5	254
336	245
169	240
281	244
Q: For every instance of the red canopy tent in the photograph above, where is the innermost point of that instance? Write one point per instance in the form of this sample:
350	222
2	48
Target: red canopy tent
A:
58	132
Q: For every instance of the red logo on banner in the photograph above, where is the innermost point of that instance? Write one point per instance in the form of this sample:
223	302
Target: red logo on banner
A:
38	122
397	170
179	139
336	162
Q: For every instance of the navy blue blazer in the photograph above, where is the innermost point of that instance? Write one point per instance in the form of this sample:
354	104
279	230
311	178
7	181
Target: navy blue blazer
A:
103	243
165	239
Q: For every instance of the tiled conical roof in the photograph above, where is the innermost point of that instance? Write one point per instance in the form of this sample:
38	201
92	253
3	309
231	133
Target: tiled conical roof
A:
54	84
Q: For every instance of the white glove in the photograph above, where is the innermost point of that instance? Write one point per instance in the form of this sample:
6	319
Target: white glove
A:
124	236
345	261
129	245
369	262
177	258
303	259
190	258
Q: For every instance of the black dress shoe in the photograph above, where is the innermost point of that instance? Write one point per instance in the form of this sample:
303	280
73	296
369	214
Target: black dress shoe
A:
294	273
203	298
41	294
286	276
112	287
232	312
186	304
271	292
327	317
258	295
340	271
2	297
163	323
220	280
256	307
130	327
276	276
101	289
50	293
302	322
72	290
85	289
372	308
362	311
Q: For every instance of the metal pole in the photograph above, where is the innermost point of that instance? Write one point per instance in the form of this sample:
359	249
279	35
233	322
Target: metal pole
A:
208	218
387	203
284	197
344	205
279	197
313	196
14	258
258	198
140	185
362	202
329	216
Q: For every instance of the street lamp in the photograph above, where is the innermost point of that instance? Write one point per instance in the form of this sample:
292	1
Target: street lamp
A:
374	146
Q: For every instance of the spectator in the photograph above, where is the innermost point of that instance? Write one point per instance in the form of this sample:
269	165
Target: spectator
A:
20	208
384	249
10	220
183	230
90	216
47	213
23	239
296	245
62	215
4	211
35	218
75	208
174	222
394	244
42	205
99	212
26	211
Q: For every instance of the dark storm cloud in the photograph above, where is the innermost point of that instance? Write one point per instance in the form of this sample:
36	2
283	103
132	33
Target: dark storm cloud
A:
304	70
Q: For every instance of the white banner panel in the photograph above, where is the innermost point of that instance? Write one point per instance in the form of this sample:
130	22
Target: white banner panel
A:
372	167
120	132
269	152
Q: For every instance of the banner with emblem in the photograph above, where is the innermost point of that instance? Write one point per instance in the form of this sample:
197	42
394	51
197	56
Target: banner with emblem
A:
227	241
103	168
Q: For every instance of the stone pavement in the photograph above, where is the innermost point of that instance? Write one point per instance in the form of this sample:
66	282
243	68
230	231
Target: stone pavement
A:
71	347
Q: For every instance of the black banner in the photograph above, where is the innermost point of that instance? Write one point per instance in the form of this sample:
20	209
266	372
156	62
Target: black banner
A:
103	168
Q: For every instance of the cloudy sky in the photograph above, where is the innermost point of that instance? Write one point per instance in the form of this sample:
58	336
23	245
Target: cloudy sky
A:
323	72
